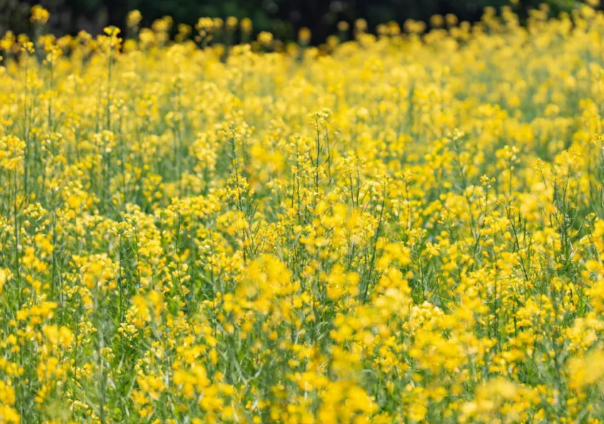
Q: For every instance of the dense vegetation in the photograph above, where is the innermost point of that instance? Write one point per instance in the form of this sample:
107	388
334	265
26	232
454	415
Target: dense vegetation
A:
407	227
282	17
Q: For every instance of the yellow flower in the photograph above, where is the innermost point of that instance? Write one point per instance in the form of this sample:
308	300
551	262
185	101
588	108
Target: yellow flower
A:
134	18
39	14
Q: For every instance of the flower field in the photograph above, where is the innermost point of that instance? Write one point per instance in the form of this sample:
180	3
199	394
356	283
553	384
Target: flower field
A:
405	227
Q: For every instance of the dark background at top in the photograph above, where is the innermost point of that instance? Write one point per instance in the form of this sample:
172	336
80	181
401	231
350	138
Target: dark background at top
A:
282	17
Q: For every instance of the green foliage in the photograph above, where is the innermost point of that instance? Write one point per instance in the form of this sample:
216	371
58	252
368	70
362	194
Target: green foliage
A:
282	17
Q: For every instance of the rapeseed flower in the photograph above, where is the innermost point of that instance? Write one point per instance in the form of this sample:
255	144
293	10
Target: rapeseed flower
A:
399	227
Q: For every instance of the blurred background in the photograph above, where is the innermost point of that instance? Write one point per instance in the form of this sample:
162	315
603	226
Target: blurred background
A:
281	17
